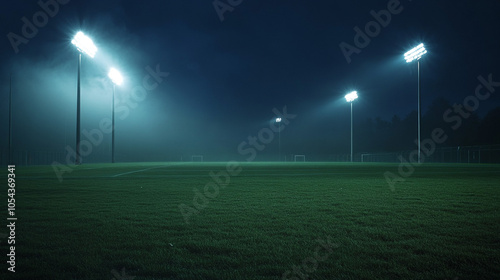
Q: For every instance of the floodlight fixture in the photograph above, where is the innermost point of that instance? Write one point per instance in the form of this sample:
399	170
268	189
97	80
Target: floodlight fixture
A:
416	53
84	44
115	76
350	97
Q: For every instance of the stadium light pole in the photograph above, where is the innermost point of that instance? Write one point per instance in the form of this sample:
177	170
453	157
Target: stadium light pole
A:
350	97
84	45
117	79
278	121
415	54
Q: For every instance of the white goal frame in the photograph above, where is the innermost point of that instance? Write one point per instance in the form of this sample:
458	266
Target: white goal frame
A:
363	157
197	158
381	157
299	156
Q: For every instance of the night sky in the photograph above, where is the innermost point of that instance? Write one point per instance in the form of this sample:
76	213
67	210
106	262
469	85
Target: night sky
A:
228	69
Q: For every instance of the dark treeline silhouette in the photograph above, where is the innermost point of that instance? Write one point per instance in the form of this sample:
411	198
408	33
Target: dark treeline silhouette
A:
462	129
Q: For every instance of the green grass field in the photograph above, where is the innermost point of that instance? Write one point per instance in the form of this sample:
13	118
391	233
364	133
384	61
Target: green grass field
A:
271	221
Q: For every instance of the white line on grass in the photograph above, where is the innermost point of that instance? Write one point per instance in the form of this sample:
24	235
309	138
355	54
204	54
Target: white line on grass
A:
140	170
178	173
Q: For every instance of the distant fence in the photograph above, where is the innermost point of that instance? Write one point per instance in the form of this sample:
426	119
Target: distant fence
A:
460	154
32	157
27	157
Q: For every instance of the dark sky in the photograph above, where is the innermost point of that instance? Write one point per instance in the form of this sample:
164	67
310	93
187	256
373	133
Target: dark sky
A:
226	76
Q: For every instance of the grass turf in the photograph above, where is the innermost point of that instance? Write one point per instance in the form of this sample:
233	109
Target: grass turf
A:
102	220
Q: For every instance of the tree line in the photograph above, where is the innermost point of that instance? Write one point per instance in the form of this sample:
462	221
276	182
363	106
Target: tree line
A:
463	128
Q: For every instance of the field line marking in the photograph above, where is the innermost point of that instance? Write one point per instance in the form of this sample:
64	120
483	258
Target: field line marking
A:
140	170
135	171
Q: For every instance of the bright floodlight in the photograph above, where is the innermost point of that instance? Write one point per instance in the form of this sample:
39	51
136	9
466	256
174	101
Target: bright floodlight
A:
416	53
350	97
115	76
278	120
84	44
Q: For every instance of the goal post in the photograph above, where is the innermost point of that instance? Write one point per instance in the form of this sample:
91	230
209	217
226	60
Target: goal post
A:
363	157
299	158
197	158
380	157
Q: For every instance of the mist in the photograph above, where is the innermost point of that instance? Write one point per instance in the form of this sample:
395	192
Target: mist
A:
197	86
